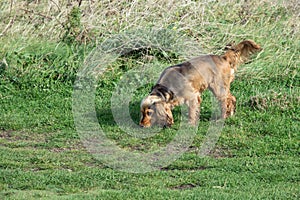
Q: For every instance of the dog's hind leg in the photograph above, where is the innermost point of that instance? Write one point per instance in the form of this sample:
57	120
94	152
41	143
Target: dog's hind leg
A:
231	105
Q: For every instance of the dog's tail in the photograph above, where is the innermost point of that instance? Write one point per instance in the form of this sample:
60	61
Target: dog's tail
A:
240	53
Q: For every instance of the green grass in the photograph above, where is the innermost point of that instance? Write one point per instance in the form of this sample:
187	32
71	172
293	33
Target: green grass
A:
42	49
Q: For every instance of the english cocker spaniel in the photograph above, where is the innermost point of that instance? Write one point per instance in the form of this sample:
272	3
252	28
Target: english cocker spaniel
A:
184	83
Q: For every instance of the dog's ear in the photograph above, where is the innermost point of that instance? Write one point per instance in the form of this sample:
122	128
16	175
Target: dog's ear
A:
169	115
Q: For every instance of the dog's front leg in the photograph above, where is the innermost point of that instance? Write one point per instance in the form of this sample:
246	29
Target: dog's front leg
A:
194	110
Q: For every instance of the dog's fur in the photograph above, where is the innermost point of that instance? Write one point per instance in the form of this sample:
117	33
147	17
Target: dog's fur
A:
185	82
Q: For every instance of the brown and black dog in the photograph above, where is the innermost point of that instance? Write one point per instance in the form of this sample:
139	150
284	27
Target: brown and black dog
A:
184	83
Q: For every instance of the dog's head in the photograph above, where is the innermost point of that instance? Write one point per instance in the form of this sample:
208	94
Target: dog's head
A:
155	111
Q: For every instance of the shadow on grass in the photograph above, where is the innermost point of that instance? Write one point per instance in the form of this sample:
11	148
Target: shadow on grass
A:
105	116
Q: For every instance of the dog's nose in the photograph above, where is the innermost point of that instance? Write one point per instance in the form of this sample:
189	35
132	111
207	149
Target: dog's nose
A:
142	126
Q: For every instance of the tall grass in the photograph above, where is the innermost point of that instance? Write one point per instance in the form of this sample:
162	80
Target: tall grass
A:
43	43
103	18
213	24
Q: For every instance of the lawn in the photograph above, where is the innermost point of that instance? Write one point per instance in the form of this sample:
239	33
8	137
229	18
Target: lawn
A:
72	76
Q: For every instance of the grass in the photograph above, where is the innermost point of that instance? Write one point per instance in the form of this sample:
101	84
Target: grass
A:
44	45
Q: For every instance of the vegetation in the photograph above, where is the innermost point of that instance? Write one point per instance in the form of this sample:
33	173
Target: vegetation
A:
44	44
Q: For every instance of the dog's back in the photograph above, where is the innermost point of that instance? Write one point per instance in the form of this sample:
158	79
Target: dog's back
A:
194	75
205	71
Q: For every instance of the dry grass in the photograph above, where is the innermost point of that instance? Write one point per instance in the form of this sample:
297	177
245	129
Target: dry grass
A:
47	18
212	24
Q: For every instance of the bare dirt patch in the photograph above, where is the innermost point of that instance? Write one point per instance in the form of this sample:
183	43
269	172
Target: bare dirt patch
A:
184	186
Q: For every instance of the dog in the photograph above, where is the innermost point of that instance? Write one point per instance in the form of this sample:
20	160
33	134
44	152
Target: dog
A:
184	83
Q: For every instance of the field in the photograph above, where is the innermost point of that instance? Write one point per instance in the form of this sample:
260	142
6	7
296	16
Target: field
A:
67	68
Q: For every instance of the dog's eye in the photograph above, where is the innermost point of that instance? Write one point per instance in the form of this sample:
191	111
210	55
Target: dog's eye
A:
149	113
